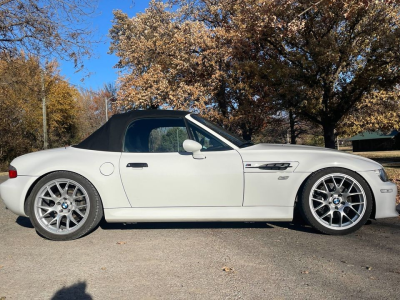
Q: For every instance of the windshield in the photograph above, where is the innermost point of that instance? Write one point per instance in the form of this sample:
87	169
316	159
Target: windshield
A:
233	138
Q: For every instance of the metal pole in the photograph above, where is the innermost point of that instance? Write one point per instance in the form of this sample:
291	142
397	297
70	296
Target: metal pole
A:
45	144
106	109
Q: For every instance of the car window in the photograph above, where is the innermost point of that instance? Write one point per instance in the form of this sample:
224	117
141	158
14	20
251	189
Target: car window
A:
155	135
207	140
233	138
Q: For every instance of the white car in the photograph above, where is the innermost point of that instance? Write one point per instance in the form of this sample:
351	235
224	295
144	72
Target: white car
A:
161	166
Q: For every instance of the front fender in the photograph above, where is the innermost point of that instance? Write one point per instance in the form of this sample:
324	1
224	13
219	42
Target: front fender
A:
313	163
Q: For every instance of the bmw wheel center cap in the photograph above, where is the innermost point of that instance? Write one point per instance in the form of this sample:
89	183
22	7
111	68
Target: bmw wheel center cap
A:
64	205
336	201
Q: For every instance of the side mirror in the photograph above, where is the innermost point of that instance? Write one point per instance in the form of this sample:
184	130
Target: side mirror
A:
194	147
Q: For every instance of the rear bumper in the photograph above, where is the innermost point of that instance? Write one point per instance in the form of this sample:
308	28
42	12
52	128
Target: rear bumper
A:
13	192
385	201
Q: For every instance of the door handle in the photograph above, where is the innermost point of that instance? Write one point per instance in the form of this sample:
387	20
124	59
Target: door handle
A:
137	165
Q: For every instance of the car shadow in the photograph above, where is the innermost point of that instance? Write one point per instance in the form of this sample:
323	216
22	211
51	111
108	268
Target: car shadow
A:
206	225
296	225
24	222
181	225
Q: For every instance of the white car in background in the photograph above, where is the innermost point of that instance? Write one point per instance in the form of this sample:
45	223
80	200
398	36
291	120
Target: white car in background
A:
169	166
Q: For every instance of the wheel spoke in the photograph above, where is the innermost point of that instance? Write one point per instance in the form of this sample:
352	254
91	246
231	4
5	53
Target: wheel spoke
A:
326	187
44	207
344	178
354	210
79	212
48	210
46	198
352	184
352	194
71	217
59	189
55	219
355	203
66	187
319	200
59	217
325	214
341	219
321	191
334	182
322	205
51	193
46	213
80	196
74	192
344	214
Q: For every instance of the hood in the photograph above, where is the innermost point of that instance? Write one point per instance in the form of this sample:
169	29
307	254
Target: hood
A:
284	147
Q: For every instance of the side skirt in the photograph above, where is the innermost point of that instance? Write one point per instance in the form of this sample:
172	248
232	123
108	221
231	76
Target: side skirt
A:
199	214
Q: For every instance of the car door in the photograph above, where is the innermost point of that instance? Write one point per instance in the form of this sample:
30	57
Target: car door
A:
157	172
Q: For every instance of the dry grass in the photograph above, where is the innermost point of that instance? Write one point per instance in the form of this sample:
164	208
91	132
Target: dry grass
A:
380	156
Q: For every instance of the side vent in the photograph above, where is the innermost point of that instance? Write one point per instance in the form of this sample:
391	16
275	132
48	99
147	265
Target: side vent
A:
275	166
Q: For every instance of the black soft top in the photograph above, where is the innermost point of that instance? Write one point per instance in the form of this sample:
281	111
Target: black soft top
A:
110	136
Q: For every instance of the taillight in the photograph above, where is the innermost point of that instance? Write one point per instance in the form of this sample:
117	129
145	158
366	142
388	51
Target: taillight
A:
12	172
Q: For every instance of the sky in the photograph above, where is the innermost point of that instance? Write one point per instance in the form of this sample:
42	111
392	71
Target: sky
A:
101	65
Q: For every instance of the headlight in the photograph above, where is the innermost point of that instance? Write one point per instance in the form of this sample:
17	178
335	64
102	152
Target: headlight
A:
382	175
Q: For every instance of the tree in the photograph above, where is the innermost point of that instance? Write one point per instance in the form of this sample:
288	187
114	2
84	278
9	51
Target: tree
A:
47	28
91	107
172	59
21	105
379	111
338	53
240	61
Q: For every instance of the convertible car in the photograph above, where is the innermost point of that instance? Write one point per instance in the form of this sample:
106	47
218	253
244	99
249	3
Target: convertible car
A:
160	166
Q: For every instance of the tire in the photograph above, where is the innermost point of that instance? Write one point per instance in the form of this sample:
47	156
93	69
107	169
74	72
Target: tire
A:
64	206
336	201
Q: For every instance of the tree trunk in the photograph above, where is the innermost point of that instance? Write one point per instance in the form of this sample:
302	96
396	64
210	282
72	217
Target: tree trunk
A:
246	132
154	106
329	135
246	135
292	129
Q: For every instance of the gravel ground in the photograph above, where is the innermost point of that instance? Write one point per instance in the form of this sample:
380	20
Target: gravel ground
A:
200	261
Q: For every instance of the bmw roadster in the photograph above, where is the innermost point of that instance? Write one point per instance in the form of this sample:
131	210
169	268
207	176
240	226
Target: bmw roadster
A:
160	166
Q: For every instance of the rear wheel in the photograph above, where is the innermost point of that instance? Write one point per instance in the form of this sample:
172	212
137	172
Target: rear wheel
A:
64	206
336	201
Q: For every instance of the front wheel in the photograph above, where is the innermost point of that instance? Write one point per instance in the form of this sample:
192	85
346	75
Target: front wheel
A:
336	201
64	206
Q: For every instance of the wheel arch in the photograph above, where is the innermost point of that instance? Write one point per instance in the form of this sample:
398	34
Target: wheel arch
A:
300	190
28	193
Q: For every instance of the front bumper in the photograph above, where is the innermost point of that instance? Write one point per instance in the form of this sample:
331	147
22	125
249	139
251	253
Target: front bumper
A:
13	192
385	202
